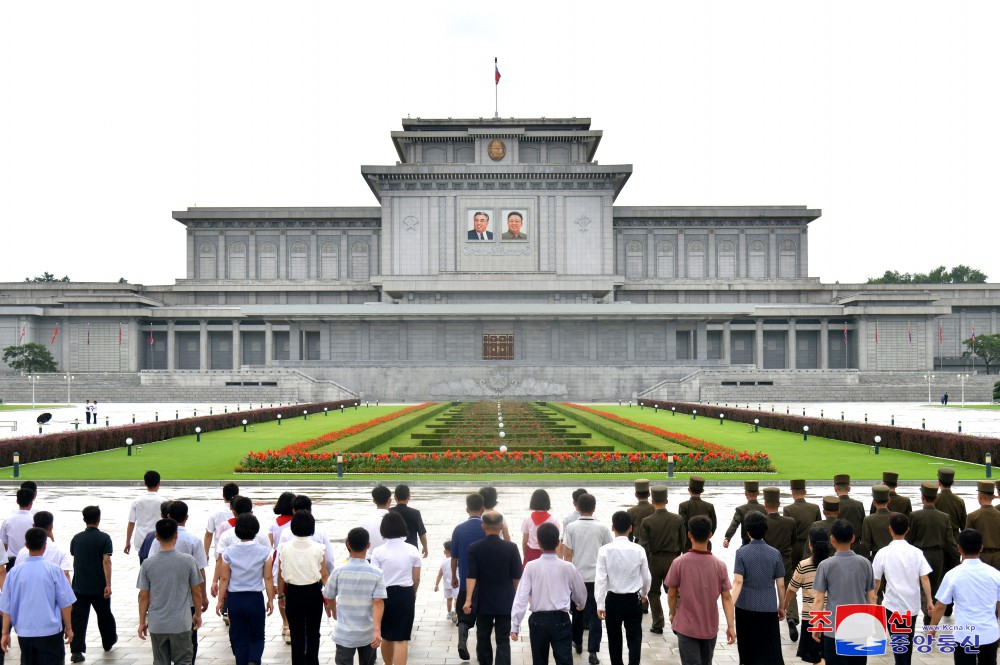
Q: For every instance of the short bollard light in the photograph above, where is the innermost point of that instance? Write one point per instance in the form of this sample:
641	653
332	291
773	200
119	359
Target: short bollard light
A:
279	420
156	416
788	411
805	432
673	410
866	417
772	408
128	444
923	423
225	409
959	426
989	465
325	411
722	418
670	465
356	405
841	415
694	414
756	425
177	414
500	418
39	428
197	434
340	465
244	424
237	407
892	420
209	410
138	449
196	413
133	419
76	424
656	408
305	414
341	408
502	435
821	413
630	404
17	465
878	442
639	402
107	421
803	412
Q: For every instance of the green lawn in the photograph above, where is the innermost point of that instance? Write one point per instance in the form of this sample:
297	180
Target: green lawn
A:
984	407
184	458
27	407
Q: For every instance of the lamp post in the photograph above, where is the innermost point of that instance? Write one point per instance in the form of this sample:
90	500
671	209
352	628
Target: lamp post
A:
694	414
805	432
69	382
756	425
878	441
305	414
197	434
656	408
928	378
673	411
325	411
128	444
963	378
17	465
340	465
244	424
670	465
279	420
989	465
34	379
722	418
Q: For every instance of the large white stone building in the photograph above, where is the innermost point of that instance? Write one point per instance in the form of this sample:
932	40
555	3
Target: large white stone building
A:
582	300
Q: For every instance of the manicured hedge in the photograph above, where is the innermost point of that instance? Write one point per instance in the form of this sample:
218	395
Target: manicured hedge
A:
397	428
961	447
67	444
604	428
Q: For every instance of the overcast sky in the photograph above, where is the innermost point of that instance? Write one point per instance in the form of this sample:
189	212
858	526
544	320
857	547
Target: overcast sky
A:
883	114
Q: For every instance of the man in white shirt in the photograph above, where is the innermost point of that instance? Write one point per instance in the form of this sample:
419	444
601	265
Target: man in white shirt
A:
622	577
43	520
14	527
581	541
144	514
218	522
382	498
905	570
974	588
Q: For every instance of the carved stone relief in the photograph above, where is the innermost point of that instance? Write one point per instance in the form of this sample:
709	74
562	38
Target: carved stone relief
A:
495	249
499	385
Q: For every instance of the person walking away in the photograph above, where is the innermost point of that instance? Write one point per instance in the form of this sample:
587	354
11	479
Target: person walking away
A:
91	550
930	530
758	571
986	520
245	573
751	488
444	582
14	527
144	513
804	514
463	536
581	542
642	509
696	505
540	505
414	520
301	576
662	535
781	535
355	596
809	650
621	589
400	563
494	573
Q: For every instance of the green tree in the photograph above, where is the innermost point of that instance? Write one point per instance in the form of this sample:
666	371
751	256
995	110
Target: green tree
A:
986	348
122	280
47	277
30	358
960	274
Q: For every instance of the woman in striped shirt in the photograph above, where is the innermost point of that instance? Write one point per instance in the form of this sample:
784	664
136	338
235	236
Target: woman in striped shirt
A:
809	649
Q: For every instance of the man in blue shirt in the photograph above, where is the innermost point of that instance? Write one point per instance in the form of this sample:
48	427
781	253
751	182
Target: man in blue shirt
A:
355	594
37	601
466	533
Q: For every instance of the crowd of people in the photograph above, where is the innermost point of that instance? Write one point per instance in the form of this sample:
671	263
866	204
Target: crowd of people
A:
575	579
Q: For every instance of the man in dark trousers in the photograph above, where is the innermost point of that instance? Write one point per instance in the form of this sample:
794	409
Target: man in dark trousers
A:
930	530
851	510
642	509
695	505
462	538
897	503
91	550
875	529
804	514
750	490
781	535
662	535
494	571
581	541
414	520
986	520
952	506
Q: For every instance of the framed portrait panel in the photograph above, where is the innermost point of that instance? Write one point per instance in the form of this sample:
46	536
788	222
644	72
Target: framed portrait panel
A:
480	225
515	225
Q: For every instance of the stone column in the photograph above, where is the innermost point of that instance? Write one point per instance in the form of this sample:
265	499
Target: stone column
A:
670	330
237	350
741	255
67	355
824	343
792	341
268	343
759	345
324	340
727	352
711	268
203	354
803	267
133	346
252	256
861	344
701	343
294	342
681	257
772	254
171	345
221	255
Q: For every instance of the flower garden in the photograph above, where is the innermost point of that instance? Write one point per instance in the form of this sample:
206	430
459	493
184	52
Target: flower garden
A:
513	437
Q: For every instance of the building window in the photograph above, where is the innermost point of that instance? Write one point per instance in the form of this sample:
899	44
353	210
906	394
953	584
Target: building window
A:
206	260
268	261
696	259
359	260
498	347
634	258
529	154
757	260
788	260
558	154
329	260
434	155
298	260
665	259
464	155
727	259
237	260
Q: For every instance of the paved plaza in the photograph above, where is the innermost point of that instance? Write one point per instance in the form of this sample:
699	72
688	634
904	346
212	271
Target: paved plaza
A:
340	508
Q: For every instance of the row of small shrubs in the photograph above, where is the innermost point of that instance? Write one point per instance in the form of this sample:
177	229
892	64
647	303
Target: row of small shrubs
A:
67	444
605	429
397	428
961	447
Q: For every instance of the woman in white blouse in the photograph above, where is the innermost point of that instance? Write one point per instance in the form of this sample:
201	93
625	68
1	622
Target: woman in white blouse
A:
400	564
301	577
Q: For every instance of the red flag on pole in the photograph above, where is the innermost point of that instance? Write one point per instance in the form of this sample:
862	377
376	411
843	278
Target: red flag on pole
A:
119	334
876	333
909	332
54	335
940	334
496	69
88	334
23	326
845	333
151	333
973	332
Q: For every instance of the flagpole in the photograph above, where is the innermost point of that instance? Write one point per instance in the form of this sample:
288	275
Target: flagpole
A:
496	89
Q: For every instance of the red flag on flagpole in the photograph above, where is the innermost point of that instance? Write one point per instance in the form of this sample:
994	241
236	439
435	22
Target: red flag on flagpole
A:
876	333
940	334
973	332
54	335
23	326
88	334
119	334
496	69
909	332
845	333
151	333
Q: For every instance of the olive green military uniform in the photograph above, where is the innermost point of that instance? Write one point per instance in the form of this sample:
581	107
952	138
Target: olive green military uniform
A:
804	514
930	530
831	504
742	511
641	510
696	506
897	503
954	508
851	510
662	535
781	535
986	520
875	532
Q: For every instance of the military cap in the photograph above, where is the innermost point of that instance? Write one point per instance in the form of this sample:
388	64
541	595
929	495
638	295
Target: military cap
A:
880	493
797	484
772	495
890	478
946	474
831	504
751	486
929	490
985	486
642	485
842	478
696	484
658	493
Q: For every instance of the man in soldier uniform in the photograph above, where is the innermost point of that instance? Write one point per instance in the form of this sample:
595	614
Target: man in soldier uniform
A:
897	503
804	514
662	535
950	504
851	510
930	530
831	513
750	491
696	506
986	520
875	530
641	510
781	535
